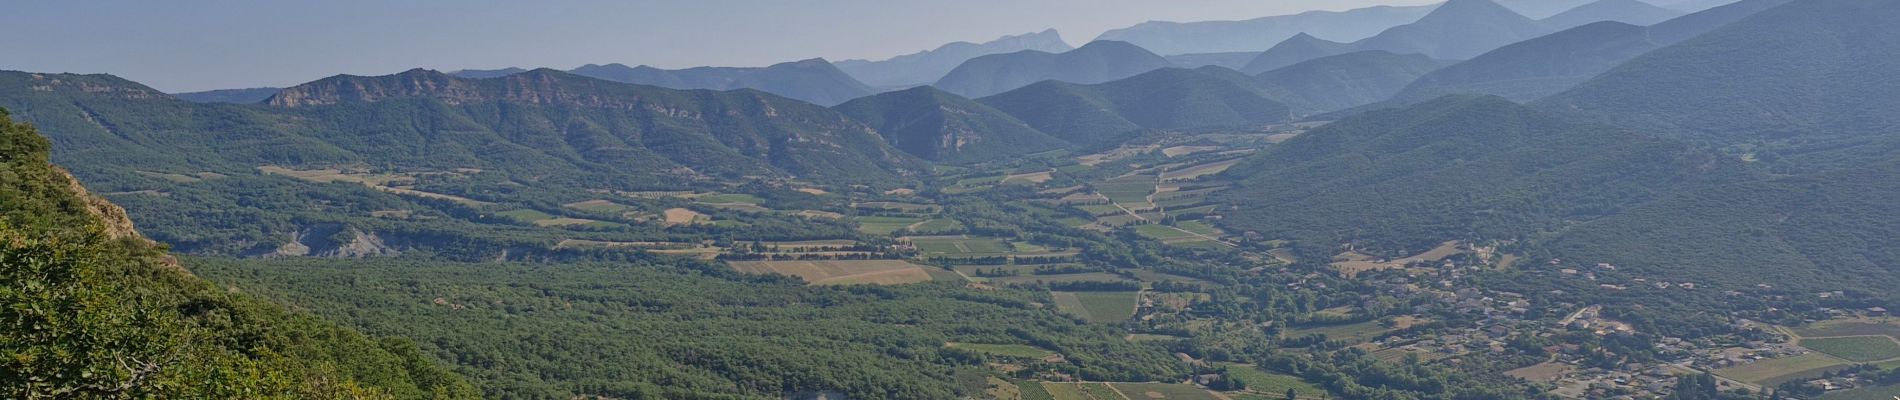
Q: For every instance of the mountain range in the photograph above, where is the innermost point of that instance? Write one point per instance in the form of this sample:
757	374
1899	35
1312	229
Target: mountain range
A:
1171	98
1095	62
1799	80
1544	66
814	80
940	126
1258	34
1461	30
924	67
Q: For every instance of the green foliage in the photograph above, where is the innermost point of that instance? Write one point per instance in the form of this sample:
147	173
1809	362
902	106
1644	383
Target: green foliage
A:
685	330
1345	81
90	310
939	126
1403	181
1100	114
1806	78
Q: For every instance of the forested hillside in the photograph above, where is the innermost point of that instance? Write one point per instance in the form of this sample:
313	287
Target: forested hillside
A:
1801	81
1402	181
93	310
1170	98
944	127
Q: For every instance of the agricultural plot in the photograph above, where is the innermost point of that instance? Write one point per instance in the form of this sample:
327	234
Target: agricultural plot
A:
600	206
1178	151
1271	383
1163	391
526	215
374	181
1162	232
1197	171
1097	306
884	225
598	244
1005	350
840	272
1867	393
1351	333
1849	327
681	216
940	225
1351	264
1855	348
1544	372
1198	227
1032	390
729	198
1033	178
1775	371
896	206
962	246
1064	278
1128	190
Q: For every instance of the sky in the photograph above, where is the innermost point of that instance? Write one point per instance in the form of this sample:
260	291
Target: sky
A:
192	45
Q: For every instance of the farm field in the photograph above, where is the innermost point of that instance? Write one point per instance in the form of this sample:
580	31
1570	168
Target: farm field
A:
1163	391
681	216
526	215
895	206
1197	171
1270	383
727	198
961	246
603	206
1032	178
941	225
1855	348
1849	327
1776	371
1082	277
1867	393
1005	350
1162	232
1032	390
1128	190
884	225
1351	333
840	272
1198	227
1097	306
1545	372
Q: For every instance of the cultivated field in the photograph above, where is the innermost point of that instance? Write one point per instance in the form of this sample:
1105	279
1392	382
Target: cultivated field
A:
1097	306
1775	371
681	216
1351	333
1849	327
1197	171
1082	277
1855	348
1163	391
1271	383
840	272
884	225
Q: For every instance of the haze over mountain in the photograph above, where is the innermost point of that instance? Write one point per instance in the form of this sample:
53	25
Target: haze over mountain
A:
1461	30
1171	98
940	126
1172	38
1233	61
1095	62
1404	180
1631	12
1544	66
1348	80
1294	50
1803	75
1540	9
235	96
924	67
814	80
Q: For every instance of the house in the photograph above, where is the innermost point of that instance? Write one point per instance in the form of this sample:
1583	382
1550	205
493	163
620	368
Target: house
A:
1876	312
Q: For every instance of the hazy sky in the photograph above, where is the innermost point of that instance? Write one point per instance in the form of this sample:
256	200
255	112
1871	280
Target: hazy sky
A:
188	45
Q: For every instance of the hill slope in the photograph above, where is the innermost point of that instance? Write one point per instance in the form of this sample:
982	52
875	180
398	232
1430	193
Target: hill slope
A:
1631	12
814	80
1170	98
1801	76
1297	49
1547	65
1258	34
1348	80
542	123
1457	30
1813	233
96	311
234	96
924	67
1403	180
940	126
1095	62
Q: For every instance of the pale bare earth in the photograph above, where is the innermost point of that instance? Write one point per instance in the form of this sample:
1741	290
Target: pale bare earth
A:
681	216
840	272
